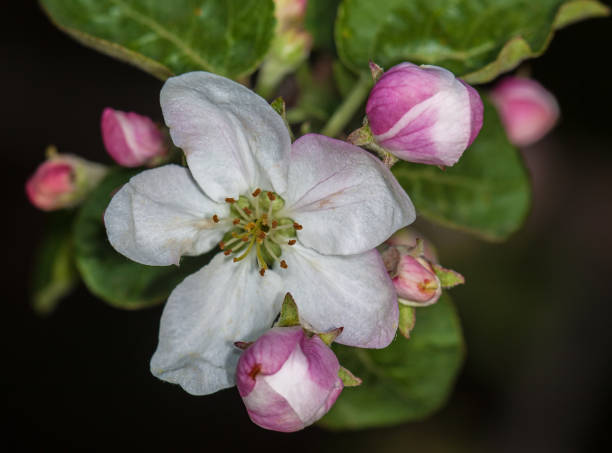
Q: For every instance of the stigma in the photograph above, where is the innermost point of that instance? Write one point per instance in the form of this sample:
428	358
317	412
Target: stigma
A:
258	227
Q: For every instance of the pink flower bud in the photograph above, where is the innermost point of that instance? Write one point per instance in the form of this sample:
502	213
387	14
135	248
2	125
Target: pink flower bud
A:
407	237
62	181
424	114
287	379
131	139
527	109
413	276
289	12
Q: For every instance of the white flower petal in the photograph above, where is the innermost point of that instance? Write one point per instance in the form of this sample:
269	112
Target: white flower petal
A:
222	303
347	200
354	292
161	215
234	141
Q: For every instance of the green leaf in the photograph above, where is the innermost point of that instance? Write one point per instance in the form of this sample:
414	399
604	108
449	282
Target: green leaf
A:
55	274
487	193
406	381
227	37
112	277
320	17
476	39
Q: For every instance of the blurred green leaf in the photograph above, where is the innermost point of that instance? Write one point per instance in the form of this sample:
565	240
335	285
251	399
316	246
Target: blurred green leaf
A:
487	193
109	275
320	17
476	39
227	37
55	274
406	381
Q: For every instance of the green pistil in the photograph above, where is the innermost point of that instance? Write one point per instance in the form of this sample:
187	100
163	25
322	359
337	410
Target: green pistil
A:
258	227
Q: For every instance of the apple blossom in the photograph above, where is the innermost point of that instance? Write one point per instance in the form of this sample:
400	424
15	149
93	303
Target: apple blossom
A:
527	109
131	139
302	217
62	181
423	114
288	379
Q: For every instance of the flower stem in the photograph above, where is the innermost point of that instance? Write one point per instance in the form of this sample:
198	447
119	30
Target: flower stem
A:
347	109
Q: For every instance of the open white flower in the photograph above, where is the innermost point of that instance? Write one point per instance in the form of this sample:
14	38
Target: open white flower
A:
303	218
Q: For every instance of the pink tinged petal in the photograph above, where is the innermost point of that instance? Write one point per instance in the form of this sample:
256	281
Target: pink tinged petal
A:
222	303
268	409
477	111
407	237
354	292
161	215
415	283
234	141
49	188
527	109
397	91
424	114
131	139
267	355
345	199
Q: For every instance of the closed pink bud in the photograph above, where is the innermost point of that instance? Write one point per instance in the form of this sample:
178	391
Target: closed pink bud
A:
62	181
289	12
131	139
416	282
407	237
527	109
287	379
424	114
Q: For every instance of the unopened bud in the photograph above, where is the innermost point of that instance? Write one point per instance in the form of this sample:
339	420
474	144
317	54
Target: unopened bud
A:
527	110
416	282
287	379
408	237
424	114
131	139
62	181
290	13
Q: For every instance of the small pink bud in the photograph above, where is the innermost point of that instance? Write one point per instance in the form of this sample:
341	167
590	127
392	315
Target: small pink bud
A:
527	109
412	275
62	181
131	139
424	114
407	237
287	379
290	12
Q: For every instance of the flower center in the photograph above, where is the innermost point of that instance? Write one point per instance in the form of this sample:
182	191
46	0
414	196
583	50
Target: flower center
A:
258	228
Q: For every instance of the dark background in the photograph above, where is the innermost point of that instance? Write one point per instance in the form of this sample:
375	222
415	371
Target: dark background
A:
536	310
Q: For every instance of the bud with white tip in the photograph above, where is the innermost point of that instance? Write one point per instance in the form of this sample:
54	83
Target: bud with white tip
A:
423	114
288	379
131	139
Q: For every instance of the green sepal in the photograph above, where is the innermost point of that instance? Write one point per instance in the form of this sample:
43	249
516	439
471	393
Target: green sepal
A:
348	378
362	136
407	319
329	337
279	107
289	315
448	277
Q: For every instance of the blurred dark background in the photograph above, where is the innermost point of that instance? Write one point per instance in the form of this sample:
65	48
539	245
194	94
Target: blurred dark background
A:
536	310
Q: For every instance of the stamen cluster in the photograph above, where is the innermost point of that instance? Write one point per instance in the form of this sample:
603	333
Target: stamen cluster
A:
258	226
